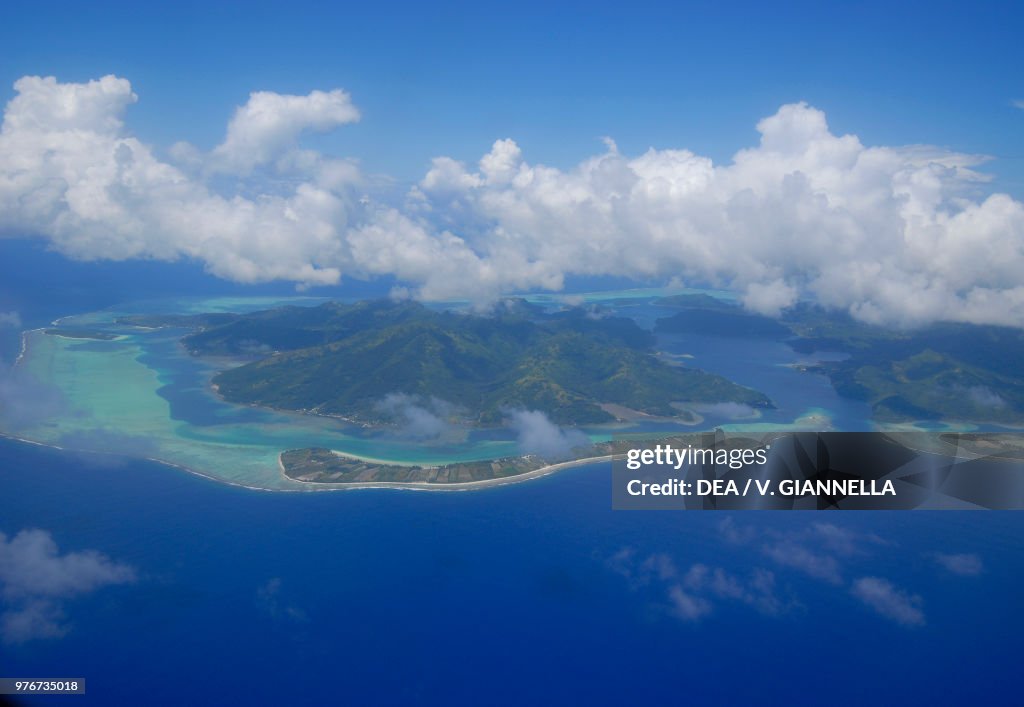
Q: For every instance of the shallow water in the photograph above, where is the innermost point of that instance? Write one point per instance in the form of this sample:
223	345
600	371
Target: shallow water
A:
143	395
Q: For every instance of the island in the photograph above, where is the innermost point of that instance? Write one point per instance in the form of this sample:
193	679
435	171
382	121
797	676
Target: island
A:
323	394
950	372
319	465
343	360
326	466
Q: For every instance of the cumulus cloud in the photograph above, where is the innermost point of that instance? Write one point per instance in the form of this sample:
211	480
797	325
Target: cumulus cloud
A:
735	534
32	620
815	550
687	607
963	564
70	172
889	601
36	580
769	298
622	562
890	234
661	565
640	573
844	541
11	319
814	564
421	418
757	592
270	123
893	235
539	435
818	550
693	594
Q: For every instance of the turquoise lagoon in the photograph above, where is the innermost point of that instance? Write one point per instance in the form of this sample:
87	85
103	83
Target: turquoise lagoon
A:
143	395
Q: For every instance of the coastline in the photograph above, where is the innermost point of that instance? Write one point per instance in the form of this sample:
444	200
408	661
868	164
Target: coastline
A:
813	419
456	486
24	345
314	486
164	462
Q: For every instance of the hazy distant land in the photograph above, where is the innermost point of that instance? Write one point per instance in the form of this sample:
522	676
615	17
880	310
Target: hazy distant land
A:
945	371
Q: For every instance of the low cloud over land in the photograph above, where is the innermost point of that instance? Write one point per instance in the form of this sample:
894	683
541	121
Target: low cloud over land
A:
539	435
421	418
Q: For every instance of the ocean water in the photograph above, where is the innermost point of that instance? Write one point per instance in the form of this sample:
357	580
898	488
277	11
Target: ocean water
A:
533	593
141	393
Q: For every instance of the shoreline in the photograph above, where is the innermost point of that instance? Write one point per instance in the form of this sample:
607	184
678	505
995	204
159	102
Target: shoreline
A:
163	462
455	486
315	486
814	422
24	345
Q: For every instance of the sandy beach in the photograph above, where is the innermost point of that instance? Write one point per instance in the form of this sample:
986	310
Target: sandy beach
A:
457	486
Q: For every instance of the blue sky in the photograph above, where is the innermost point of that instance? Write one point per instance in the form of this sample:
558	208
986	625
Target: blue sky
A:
466	157
450	78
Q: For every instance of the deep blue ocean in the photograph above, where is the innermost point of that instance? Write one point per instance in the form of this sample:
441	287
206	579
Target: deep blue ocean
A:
505	596
533	593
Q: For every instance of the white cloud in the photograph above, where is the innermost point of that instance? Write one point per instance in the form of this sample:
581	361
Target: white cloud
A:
889	601
661	566
270	123
890	234
35	579
758	592
32	620
769	298
686	606
844	541
622	562
539	435
692	595
964	564
791	554
70	173
421	418
736	534
44	105
31	566
11	319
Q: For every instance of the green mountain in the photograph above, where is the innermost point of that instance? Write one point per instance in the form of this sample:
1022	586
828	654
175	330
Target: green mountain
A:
343	359
959	372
